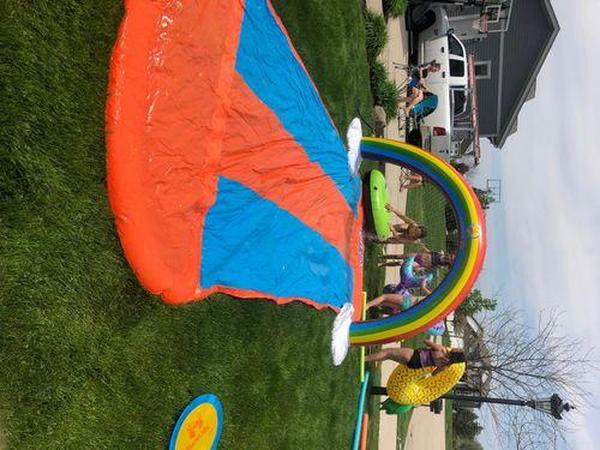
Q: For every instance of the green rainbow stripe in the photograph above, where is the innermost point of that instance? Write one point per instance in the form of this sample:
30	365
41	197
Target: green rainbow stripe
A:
469	256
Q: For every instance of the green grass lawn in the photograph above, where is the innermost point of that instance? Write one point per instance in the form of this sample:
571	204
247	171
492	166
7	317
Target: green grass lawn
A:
88	359
449	419
427	206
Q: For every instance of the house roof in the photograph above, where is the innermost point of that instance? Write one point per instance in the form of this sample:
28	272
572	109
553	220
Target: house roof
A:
528	89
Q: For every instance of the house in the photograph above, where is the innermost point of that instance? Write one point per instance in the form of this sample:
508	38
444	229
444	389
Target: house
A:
510	40
467	333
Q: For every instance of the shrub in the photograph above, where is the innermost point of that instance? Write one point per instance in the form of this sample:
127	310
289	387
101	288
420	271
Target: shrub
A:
394	8
375	33
385	92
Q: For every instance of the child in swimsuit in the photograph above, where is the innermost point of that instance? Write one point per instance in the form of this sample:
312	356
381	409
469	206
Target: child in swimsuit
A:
433	355
407	232
428	260
417	86
408	280
395	301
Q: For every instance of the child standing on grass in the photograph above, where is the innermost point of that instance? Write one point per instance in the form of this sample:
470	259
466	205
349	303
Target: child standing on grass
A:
410	180
408	232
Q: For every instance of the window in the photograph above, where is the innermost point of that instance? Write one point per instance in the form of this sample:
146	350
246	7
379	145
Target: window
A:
493	13
460	100
483	70
457	68
454	46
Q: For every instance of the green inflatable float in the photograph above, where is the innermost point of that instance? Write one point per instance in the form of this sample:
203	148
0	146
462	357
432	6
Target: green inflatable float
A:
378	197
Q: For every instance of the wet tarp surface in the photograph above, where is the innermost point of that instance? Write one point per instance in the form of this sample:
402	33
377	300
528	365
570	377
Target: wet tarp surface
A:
226	172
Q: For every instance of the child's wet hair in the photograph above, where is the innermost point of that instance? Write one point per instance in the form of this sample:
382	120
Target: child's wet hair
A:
457	356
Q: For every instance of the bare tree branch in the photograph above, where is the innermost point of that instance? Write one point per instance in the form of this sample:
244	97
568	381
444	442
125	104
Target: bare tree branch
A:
525	362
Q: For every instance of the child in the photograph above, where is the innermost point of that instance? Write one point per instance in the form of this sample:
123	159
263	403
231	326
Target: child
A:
414	276
396	301
410	180
433	355
428	260
417	86
409	232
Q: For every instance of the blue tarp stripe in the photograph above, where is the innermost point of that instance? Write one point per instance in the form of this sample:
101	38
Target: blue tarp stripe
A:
269	67
251	243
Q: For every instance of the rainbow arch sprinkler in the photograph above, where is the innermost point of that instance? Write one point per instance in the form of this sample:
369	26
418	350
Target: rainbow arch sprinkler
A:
469	257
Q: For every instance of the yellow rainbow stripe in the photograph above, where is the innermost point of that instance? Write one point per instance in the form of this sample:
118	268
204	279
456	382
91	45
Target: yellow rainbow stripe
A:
469	258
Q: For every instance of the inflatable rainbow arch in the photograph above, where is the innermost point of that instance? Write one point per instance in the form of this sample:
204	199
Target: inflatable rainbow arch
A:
470	254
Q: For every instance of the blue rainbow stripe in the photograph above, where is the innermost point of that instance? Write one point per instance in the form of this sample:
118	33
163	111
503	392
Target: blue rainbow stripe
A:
468	260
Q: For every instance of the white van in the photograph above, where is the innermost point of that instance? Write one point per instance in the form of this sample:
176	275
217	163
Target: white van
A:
450	84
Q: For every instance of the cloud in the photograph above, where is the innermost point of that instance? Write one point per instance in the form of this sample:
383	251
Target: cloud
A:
544	238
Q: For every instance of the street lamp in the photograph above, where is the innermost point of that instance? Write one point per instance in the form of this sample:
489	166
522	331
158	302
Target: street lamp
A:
553	406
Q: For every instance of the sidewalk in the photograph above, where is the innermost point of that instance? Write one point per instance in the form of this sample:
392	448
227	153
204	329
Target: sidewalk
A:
426	430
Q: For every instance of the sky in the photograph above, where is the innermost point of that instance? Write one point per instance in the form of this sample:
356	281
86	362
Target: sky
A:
544	235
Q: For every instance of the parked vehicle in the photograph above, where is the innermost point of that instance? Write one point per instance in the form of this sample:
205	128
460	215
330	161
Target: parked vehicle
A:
438	42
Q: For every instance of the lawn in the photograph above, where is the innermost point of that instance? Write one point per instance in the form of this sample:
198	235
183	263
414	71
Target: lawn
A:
427	206
374	281
449	419
88	359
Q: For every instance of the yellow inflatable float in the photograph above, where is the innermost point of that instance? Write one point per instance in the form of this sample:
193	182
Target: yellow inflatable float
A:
415	386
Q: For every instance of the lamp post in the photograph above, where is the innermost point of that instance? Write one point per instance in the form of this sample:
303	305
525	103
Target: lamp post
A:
553	405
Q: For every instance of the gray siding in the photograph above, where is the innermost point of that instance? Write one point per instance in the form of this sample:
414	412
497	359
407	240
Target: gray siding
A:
487	89
523	46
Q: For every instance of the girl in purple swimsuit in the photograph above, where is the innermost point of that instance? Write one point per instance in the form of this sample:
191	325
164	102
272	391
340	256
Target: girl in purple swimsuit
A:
396	301
433	355
410	278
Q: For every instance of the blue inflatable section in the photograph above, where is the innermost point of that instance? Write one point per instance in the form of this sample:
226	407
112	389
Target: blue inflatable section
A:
243	231
408	278
269	66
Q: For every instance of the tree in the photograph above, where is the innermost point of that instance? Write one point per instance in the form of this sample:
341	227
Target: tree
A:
474	303
486	197
466	444
394	8
525	362
465	424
